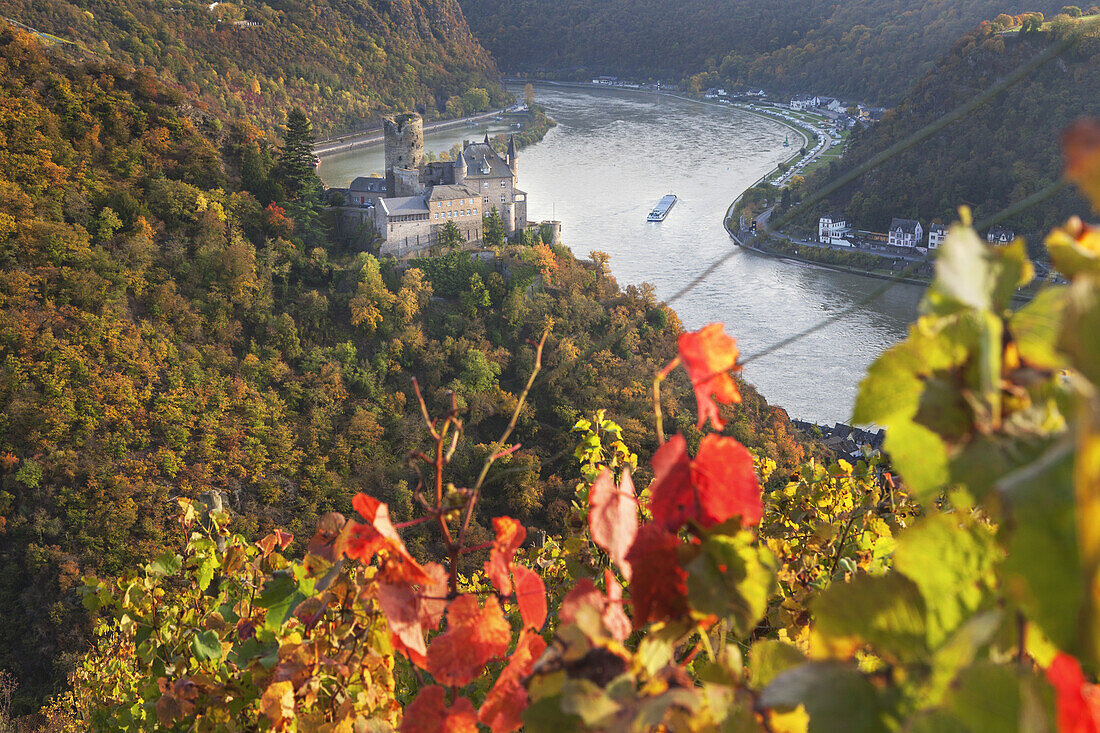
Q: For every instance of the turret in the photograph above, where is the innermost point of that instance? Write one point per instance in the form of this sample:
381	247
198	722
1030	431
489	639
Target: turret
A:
404	139
460	167
512	159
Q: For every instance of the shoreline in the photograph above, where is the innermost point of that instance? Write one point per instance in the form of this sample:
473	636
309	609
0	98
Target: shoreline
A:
368	138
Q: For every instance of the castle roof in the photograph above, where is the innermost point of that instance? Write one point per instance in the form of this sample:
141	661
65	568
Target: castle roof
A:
484	162
368	183
402	205
445	192
511	147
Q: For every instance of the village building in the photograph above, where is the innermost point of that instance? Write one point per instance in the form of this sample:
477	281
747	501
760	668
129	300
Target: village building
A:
905	233
937	233
834	229
1000	235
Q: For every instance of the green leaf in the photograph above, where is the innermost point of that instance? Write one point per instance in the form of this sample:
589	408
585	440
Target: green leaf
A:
1043	572
884	611
206	645
280	597
958	652
837	698
1081	330
950	559
168	563
547	716
732	578
585	699
971	274
986	698
1037	326
769	657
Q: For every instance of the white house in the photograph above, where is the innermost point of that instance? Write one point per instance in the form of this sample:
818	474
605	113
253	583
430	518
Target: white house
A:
936	234
905	233
715	92
834	230
804	102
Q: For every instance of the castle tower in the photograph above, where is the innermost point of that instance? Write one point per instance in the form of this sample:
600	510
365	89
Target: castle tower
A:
460	167
404	140
512	158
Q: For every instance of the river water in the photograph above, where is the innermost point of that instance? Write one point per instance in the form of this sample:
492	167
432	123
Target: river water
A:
613	154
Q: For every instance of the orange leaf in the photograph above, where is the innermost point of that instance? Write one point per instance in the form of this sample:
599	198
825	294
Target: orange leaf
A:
530	596
1081	147
428	713
474	635
613	517
1078	701
510	535
661	591
708	355
277	702
720	483
508	698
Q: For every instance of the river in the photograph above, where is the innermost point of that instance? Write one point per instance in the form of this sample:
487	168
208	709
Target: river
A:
613	154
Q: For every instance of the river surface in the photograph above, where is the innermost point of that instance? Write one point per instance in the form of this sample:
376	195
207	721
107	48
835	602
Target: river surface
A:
613	154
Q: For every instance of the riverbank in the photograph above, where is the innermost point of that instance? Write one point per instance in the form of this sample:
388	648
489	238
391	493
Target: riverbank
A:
536	126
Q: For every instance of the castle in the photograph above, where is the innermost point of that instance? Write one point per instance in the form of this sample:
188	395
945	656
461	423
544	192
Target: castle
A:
415	200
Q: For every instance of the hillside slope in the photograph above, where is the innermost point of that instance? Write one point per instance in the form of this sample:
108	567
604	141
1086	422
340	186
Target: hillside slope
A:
340	60
167	329
867	49
996	156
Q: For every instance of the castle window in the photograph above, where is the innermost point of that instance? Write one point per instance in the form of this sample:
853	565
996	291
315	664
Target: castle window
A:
486	184
502	198
502	184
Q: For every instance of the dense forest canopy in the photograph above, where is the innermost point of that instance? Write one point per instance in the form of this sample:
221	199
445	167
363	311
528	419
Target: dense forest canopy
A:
175	320
997	155
871	50
342	62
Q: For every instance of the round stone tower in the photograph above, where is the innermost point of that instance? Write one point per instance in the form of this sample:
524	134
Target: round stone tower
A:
404	138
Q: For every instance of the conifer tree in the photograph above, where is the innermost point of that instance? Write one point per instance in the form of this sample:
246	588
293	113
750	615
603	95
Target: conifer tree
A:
296	160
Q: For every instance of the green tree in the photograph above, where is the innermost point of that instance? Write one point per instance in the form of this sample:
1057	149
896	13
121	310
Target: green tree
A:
492	226
450	236
297	162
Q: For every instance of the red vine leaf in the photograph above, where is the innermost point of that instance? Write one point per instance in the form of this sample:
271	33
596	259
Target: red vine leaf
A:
720	483
380	537
410	610
613	517
610	607
614	618
510	535
708	355
428	713
508	698
584	593
661	591
530	596
474	635
1078	701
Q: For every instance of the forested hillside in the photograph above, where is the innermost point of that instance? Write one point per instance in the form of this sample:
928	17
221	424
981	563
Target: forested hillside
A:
174	320
997	155
871	50
342	62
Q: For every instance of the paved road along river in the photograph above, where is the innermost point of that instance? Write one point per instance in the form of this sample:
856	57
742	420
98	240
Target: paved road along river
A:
613	154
